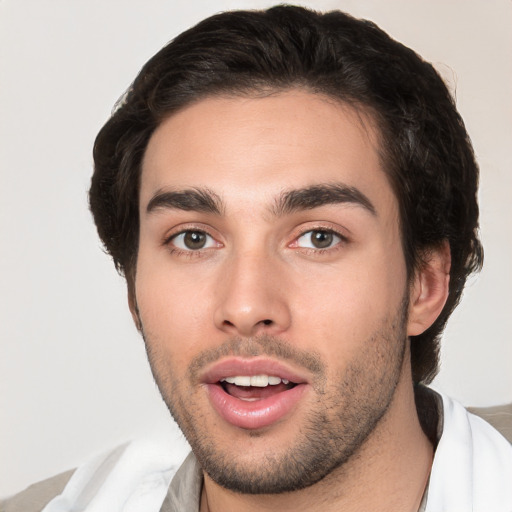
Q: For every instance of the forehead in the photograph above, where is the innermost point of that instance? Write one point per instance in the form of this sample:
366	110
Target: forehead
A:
250	148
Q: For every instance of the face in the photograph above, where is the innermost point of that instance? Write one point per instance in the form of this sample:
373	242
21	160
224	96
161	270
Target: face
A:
271	286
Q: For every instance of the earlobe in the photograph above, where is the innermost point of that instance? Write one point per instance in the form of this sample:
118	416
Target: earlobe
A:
429	290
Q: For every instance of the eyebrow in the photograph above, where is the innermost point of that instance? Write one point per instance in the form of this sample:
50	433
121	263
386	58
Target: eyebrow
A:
320	195
194	199
290	201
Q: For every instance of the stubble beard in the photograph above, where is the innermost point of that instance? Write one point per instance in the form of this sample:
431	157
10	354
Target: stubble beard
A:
345	414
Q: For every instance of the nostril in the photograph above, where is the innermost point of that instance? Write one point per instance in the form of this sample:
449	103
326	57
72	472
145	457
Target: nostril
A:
245	327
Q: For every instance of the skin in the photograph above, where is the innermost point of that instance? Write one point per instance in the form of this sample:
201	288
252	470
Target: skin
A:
260	288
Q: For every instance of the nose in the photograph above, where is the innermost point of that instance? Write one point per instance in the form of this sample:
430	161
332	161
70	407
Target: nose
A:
252	297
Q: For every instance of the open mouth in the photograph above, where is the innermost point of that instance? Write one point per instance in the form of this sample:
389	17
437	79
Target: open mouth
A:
253	393
255	387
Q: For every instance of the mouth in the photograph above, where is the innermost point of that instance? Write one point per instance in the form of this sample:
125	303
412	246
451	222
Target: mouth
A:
253	394
255	387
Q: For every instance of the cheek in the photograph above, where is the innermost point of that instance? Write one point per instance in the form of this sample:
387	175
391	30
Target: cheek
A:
173	308
338	310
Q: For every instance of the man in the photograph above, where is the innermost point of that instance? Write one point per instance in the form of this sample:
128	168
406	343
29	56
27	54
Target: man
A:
291	197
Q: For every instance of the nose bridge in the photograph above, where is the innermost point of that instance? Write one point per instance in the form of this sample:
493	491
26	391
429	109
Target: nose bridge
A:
252	295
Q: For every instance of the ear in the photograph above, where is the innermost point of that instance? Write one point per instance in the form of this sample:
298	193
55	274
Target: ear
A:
429	289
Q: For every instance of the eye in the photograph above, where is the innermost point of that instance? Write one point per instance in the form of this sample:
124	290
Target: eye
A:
319	239
192	240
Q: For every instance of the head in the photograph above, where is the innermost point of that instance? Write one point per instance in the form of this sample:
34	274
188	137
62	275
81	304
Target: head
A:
425	149
384	88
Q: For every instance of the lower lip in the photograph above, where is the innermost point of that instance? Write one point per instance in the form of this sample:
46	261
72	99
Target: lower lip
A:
255	414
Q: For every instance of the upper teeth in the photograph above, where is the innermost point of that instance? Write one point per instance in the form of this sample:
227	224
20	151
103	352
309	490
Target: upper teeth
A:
259	381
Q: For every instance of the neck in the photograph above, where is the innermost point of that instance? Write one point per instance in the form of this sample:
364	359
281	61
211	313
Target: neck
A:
388	473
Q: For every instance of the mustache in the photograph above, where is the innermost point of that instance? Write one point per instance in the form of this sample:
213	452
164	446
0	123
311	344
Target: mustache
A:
263	345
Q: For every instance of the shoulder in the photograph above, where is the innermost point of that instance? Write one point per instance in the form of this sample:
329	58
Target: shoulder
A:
474	433
500	417
35	497
136	474
472	467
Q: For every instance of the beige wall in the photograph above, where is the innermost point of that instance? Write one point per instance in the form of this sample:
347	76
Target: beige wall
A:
73	375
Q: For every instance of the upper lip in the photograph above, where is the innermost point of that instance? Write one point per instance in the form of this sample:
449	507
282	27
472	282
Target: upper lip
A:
235	366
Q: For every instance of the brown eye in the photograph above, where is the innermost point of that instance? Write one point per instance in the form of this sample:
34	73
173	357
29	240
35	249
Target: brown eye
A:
319	239
192	240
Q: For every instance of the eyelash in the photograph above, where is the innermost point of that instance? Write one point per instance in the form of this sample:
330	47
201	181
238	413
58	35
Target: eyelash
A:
307	250
188	253
342	240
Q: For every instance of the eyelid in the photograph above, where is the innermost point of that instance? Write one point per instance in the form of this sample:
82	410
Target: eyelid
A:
328	228
181	246
335	239
182	229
